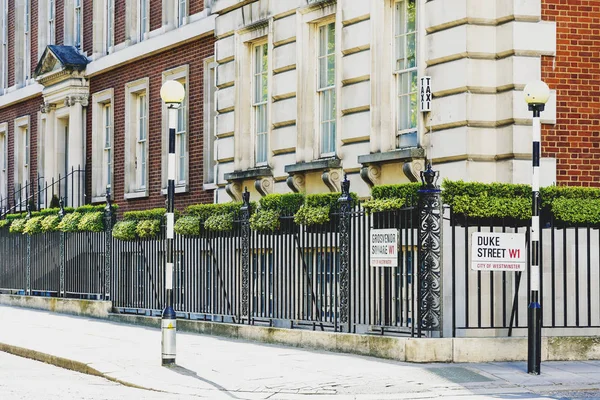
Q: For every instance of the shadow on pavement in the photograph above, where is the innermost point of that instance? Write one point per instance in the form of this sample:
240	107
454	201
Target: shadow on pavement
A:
187	372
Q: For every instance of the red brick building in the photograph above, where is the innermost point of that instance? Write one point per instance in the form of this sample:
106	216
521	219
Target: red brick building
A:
80	83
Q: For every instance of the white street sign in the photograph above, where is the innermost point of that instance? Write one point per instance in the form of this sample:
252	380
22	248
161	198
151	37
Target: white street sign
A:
425	93
384	248
498	251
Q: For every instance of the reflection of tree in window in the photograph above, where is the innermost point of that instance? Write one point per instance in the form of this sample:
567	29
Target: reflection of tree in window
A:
326	88
405	36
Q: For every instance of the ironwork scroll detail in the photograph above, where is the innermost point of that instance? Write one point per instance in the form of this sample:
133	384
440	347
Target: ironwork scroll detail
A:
245	211
430	253
345	209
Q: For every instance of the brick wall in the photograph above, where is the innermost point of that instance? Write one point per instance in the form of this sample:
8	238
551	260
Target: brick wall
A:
59	21
196	6
155	14
574	73
9	114
11	42
119	22
193	54
88	27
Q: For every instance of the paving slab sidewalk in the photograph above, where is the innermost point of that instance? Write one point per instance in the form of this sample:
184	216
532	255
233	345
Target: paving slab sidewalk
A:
215	368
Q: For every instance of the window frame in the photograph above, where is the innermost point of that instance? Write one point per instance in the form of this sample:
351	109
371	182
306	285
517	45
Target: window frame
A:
78	23
406	71
3	162
26	41
181	18
131	180
109	25
4	45
100	172
51	22
324	91
143	19
256	105
210	115
21	170
182	137
141	130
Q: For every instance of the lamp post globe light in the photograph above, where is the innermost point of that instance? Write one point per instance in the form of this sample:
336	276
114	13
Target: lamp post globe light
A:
172	93
537	94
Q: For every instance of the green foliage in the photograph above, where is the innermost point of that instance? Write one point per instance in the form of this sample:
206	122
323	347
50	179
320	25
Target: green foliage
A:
91	208
54	203
327	200
124	230
12	217
384	204
307	215
204	211
551	193
46	211
187	226
405	191
155	213
4	223
148	228
495	207
452	189
219	222
70	222
33	225
265	220
288	203
91	222
577	211
50	223
17	225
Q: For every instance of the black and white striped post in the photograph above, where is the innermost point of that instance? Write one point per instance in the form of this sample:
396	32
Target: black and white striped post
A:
536	96
172	93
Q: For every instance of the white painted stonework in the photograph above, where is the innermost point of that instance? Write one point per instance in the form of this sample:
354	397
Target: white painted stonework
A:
479	53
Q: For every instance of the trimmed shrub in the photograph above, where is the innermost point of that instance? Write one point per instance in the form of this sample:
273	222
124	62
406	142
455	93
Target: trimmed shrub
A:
265	220
155	213
17	225
50	223
312	215
70	222
288	203
33	225
406	191
148	228
124	230
384	204
91	222
577	211
219	222
4	223
187	226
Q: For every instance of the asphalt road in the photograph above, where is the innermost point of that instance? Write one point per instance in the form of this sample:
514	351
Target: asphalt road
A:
24	379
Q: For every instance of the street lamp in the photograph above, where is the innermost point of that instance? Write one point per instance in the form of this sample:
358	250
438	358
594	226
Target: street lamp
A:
536	96
172	93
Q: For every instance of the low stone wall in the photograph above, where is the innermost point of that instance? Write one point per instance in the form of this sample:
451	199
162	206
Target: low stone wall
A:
422	350
88	308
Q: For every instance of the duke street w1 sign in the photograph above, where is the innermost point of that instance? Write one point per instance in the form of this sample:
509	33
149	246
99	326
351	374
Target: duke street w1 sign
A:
498	251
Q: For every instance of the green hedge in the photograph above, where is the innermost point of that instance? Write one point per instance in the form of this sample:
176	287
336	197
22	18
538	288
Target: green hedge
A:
33	225
406	191
17	225
219	222
50	223
283	203
91	222
155	213
188	225
265	220
577	211
384	204
148	228
125	230
70	222
452	189
4	223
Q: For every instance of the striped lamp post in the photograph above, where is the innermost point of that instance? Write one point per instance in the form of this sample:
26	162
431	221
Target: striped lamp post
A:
172	93
536	96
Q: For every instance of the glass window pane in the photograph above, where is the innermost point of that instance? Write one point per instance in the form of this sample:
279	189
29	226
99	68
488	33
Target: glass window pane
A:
403	113
331	70
413	110
265	88
323	41
400	54
411	50
322	72
265	60
411	16
331	38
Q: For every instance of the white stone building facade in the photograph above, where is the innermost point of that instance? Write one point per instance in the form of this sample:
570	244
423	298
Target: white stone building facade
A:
309	90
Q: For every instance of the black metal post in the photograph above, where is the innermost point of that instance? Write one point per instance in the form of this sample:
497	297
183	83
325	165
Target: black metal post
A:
534	311
108	224
169	318
430	254
345	202
245	211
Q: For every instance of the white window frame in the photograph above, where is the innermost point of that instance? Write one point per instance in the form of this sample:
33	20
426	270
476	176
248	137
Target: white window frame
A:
21	150
109	25
327	141
3	163
143	19
182	12
26	41
78	23
406	104
260	107
101	175
133	145
51	22
210	115
182	133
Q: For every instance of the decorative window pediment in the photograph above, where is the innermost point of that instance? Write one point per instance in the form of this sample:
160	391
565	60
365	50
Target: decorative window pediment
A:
57	59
